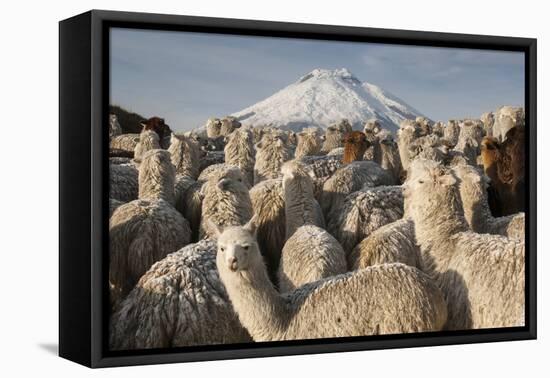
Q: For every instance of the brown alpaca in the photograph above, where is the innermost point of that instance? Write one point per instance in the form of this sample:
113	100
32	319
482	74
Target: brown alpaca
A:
162	129
355	145
504	164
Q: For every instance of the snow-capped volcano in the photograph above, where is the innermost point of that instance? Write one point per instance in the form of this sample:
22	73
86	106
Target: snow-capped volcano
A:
323	97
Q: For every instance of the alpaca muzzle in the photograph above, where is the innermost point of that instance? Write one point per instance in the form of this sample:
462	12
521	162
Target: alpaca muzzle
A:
233	264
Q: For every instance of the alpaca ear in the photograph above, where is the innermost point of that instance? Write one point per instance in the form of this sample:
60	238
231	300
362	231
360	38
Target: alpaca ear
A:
214	228
446	180
251	226
143	124
222	184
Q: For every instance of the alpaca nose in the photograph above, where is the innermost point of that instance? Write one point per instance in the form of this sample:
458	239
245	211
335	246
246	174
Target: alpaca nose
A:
232	263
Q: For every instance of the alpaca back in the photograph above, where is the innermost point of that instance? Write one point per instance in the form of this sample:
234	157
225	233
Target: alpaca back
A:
157	176
365	211
123	182
268	203
391	243
124	142
185	156
301	208
271	154
239	151
140	233
309	255
348	179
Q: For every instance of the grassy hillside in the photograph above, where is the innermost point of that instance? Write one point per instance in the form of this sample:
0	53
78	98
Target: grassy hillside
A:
128	120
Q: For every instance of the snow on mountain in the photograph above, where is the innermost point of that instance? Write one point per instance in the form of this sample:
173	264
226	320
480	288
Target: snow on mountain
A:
323	97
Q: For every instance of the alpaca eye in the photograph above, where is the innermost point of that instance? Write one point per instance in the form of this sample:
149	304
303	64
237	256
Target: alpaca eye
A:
421	181
245	247
222	249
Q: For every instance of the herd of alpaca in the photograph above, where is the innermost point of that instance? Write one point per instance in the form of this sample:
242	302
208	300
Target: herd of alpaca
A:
236	234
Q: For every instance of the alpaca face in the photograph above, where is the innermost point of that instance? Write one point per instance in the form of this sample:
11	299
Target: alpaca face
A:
237	247
428	185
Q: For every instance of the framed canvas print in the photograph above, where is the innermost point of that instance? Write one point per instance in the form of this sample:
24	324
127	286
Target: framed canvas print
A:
235	188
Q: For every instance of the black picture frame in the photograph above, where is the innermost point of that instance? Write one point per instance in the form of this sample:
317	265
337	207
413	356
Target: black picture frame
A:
83	202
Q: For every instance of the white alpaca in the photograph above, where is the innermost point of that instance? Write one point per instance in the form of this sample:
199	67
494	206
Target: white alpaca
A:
482	276
309	142
348	179
271	153
185	153
239	151
386	299
123	182
309	255
147	229
226	200
148	140
363	212
301	207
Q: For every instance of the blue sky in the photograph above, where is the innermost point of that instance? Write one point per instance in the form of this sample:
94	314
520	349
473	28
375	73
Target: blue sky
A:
188	77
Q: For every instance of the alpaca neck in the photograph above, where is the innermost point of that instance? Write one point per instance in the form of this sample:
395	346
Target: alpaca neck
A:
352	153
299	203
156	185
260	308
476	210
435	229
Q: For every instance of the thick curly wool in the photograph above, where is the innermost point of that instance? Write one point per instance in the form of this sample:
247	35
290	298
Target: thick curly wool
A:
301	207
157	176
189	202
142	232
226	200
482	276
391	243
123	182
179	302
451	132
114	126
185	154
148	140
124	142
347	180
333	139
476	207
363	212
428	147
309	255
213	126
365	302
320	169
309	142
271	153
239	151
268	203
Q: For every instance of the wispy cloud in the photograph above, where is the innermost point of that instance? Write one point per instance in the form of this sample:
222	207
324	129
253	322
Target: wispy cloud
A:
187	77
